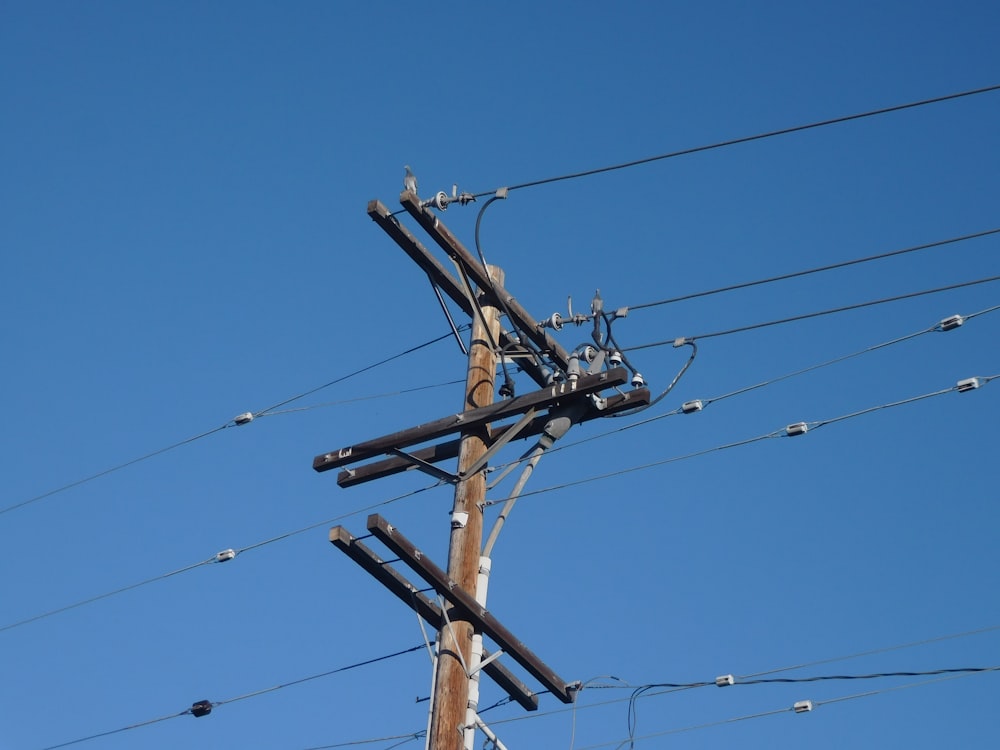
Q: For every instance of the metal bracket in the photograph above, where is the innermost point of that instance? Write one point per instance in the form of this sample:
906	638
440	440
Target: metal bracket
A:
507	436
425	467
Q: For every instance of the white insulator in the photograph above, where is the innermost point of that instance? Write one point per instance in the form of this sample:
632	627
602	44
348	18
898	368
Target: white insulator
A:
244	418
690	407
802	707
226	554
799	428
950	324
573	370
968	384
725	680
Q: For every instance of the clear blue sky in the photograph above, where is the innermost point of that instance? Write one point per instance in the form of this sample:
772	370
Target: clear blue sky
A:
184	238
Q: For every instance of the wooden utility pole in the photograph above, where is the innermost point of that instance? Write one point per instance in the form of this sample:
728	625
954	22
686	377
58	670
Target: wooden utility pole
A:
451	687
476	434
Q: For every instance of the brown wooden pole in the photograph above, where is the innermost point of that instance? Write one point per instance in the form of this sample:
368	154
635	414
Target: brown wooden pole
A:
451	691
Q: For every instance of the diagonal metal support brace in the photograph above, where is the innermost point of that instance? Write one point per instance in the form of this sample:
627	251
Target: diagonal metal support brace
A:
443	451
471	419
509	434
427	468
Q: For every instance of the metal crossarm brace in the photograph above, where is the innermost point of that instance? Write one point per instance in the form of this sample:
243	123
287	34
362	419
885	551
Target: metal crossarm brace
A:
428	468
481	618
425	608
471	419
443	451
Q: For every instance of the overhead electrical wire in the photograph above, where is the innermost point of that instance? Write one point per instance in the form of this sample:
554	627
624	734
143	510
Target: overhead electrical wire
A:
687	686
271	410
372	397
106	595
799	708
792	430
731	142
223	556
945	325
113	469
203	708
874	651
662	688
817	314
788	709
750	138
757	137
403	739
811	425
357	372
231	423
818	269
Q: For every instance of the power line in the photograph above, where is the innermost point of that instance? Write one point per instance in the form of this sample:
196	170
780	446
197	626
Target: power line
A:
372	397
106	595
813	678
820	313
223	556
301	680
799	708
119	730
872	676
404	738
792	430
203	708
675	687
749	138
945	325
874	652
231	423
113	469
365	369
819	269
